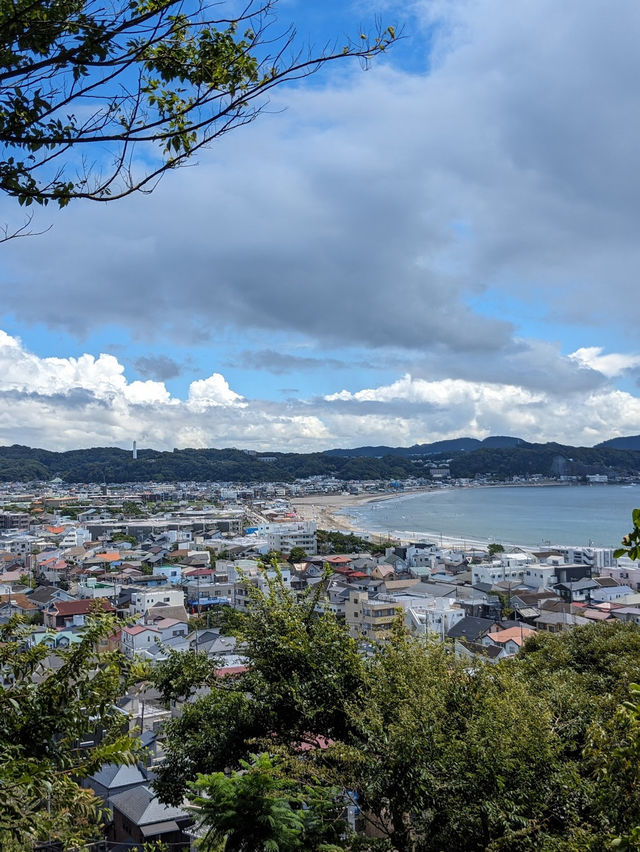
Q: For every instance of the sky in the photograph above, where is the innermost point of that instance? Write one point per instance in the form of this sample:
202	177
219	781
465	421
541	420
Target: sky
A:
443	245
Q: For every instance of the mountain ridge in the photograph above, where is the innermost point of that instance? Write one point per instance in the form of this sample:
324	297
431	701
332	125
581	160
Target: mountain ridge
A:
500	457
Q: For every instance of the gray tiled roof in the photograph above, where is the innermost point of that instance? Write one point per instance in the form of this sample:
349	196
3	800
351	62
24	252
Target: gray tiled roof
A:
142	807
471	627
113	776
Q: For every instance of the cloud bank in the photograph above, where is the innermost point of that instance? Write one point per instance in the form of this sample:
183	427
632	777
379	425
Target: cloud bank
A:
65	403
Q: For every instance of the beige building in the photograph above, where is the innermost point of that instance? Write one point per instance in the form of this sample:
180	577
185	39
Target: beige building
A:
371	619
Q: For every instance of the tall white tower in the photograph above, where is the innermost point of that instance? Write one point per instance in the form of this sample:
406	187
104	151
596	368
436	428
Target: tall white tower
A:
134	453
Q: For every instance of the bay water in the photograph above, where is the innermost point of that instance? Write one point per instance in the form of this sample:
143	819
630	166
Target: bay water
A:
596	515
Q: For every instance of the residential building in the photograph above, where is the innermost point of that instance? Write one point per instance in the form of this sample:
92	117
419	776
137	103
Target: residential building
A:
139	818
285	536
64	614
138	638
144	599
371	618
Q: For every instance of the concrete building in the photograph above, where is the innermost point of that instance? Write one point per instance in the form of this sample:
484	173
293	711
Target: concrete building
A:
284	536
144	599
370	618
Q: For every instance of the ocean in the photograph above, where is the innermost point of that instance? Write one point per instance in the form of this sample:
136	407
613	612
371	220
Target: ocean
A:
596	515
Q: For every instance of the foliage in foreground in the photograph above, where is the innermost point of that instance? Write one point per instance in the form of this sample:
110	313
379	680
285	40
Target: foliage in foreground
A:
45	715
541	752
261	808
537	753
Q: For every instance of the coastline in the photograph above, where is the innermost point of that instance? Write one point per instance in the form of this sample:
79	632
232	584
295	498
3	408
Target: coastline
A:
327	509
332	512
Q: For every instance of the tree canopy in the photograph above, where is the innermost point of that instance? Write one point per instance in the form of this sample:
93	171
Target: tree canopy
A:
97	101
58	724
535	753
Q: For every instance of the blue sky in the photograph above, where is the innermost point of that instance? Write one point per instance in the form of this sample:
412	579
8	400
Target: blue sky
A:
443	245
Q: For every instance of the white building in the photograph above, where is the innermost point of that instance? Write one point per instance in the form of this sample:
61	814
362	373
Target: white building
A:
436	616
137	639
173	573
143	600
627	572
540	576
499	572
284	536
75	537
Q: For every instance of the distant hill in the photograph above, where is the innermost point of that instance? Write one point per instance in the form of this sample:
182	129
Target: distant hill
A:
500	457
111	464
453	445
632	442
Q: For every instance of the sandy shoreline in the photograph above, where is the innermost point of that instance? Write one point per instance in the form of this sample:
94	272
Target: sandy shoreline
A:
327	509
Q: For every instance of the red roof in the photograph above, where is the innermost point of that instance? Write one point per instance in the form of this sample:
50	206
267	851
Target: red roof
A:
231	670
138	628
82	607
316	742
198	572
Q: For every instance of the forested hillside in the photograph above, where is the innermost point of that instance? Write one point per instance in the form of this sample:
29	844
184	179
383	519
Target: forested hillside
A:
111	464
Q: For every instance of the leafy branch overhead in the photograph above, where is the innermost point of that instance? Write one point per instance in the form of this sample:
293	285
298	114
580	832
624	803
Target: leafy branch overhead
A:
98	101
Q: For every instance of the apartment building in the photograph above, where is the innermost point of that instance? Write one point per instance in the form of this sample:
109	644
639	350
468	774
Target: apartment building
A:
284	536
370	618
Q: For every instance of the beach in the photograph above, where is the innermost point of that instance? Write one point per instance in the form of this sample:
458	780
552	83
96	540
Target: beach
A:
472	518
327	509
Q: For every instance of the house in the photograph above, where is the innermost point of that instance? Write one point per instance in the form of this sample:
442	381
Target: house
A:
607	593
476	651
163	610
142	600
576	590
372	618
555	622
511	639
17	604
138	638
471	628
139	818
63	614
172	573
114	778
169	628
53	639
44	596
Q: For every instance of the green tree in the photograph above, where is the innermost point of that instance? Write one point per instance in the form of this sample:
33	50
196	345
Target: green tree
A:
131	539
631	541
131	509
262	809
614	749
495	548
297	554
303	671
46	713
78	78
449	758
538	752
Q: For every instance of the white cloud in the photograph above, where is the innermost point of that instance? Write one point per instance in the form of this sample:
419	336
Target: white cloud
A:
376	210
66	403
609	365
211	392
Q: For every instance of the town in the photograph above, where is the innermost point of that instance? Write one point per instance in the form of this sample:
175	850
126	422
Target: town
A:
171	562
